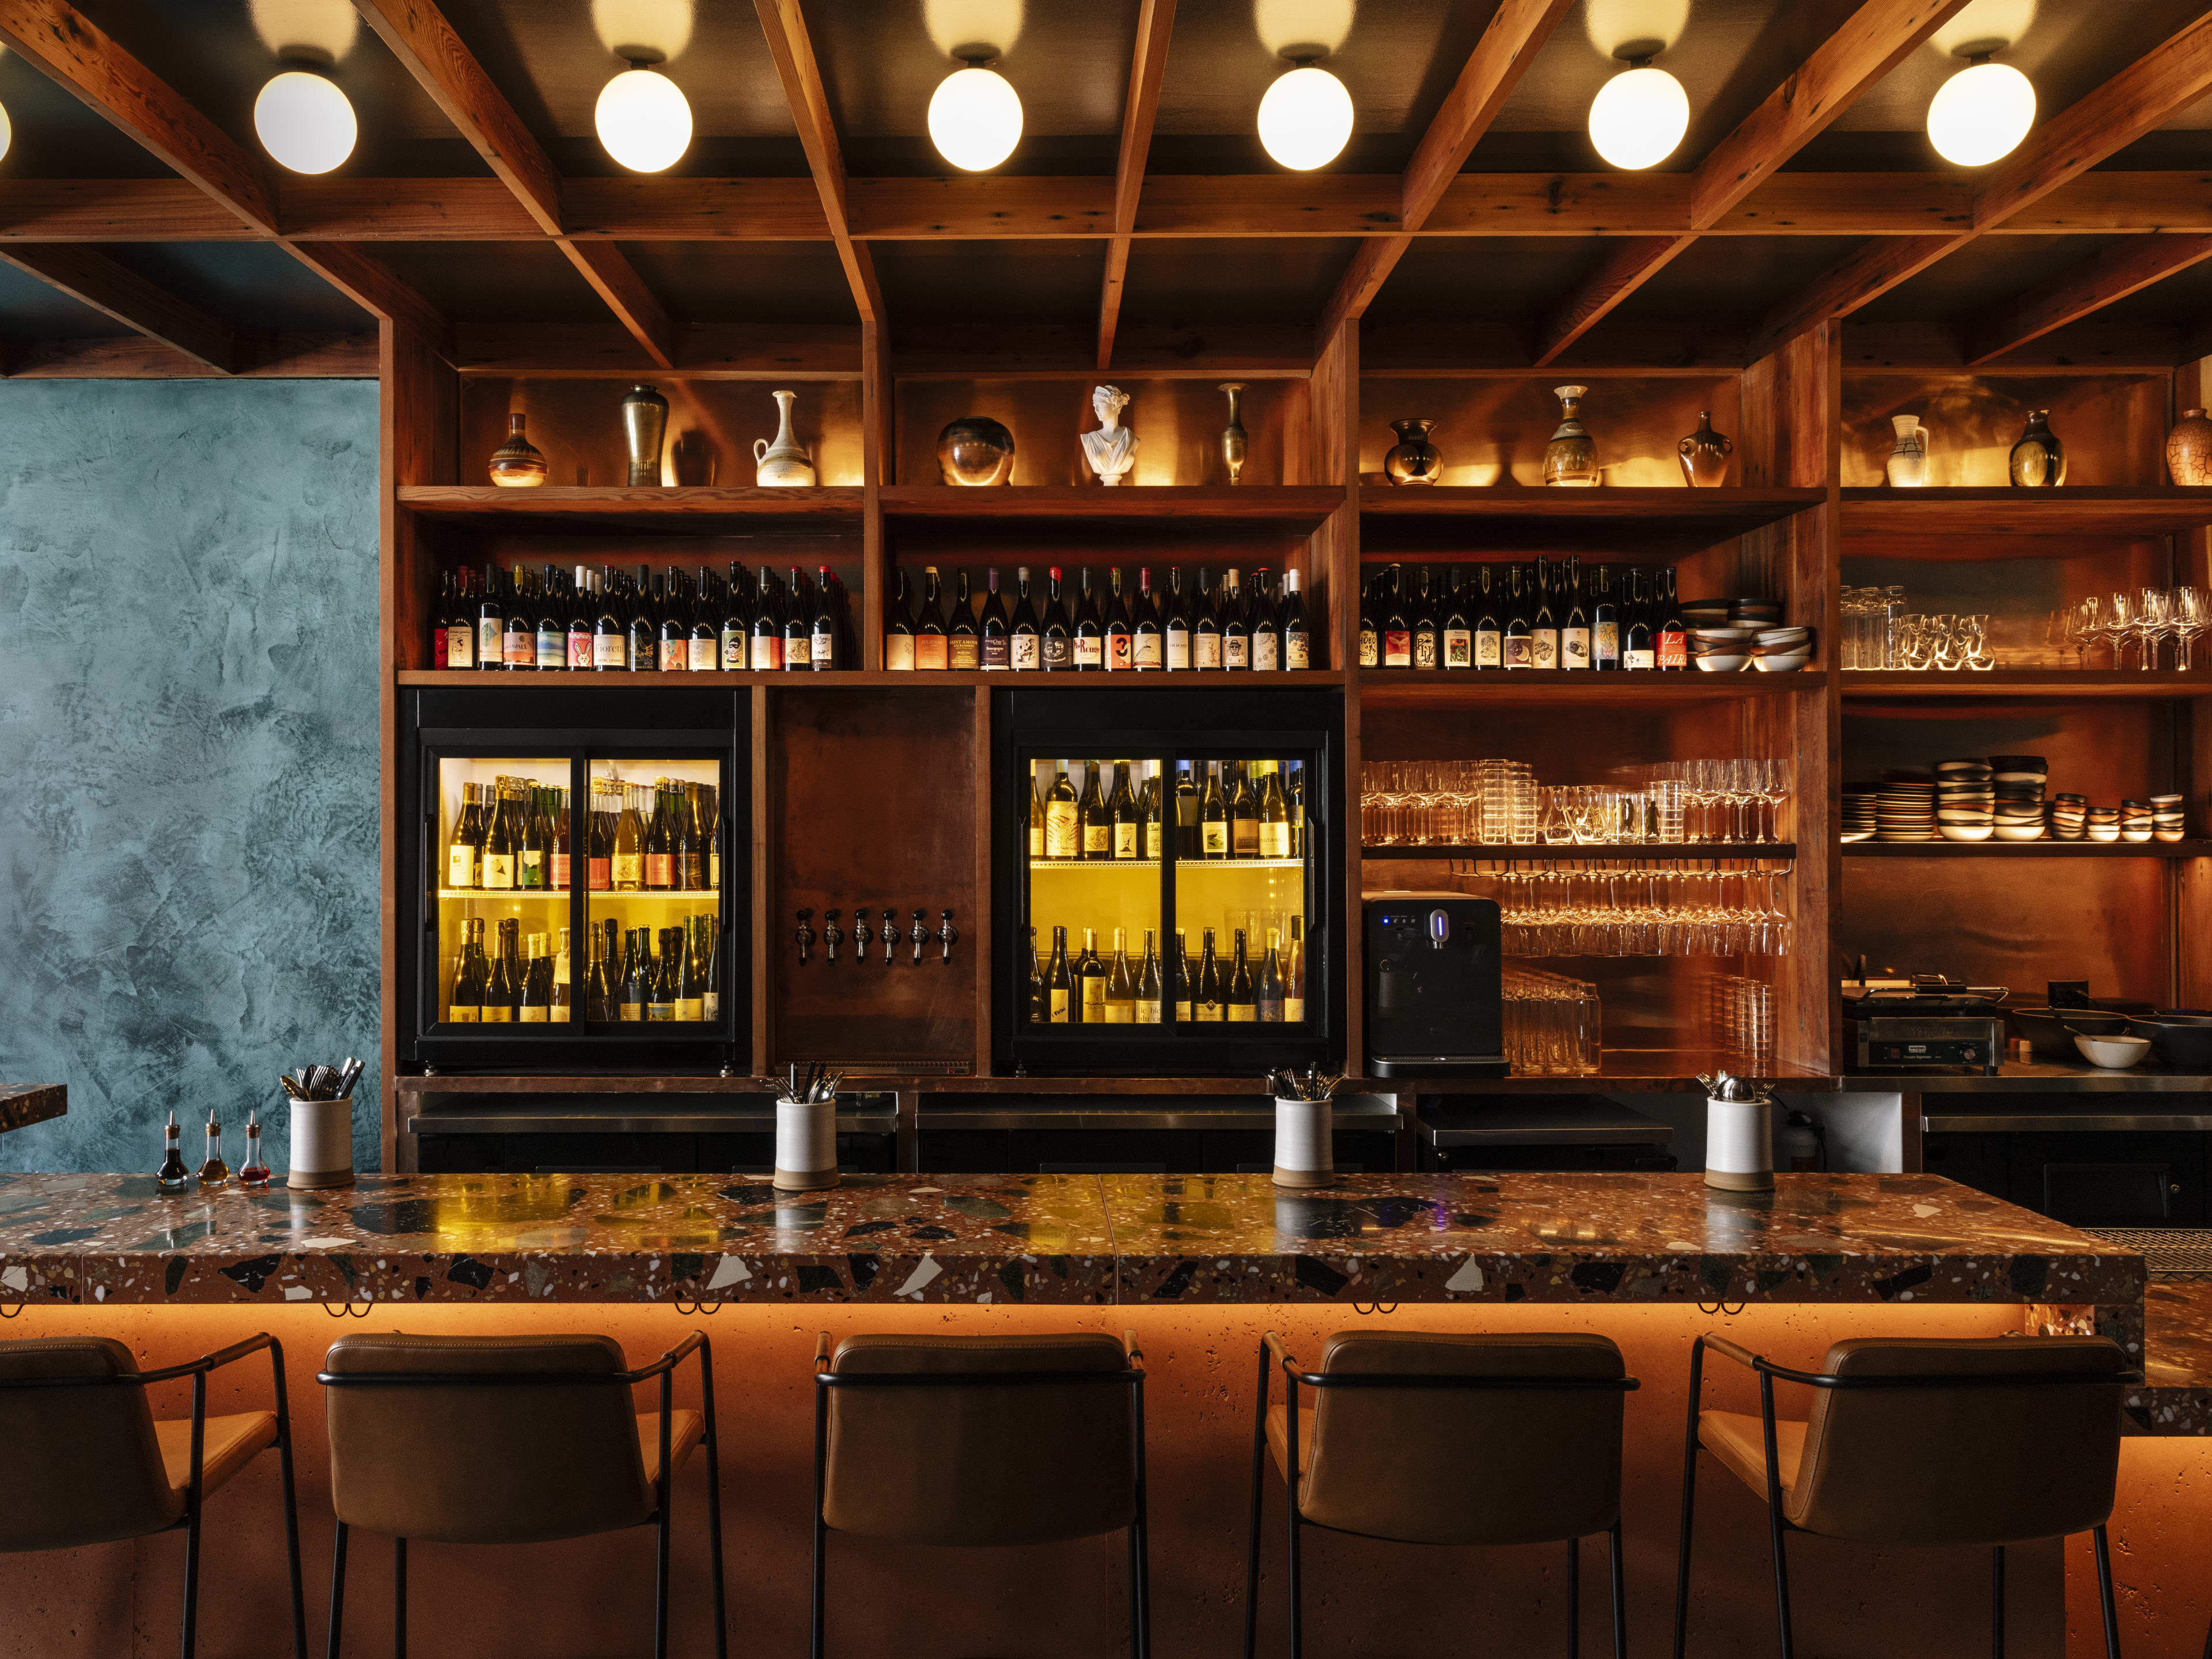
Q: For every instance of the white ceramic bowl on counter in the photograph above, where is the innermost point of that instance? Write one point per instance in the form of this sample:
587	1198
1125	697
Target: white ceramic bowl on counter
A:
2114	1054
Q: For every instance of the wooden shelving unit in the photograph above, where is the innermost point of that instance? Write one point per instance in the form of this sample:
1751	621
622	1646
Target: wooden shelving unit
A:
2157	685
674	509
1646	509
1640	851
2075	510
2015	850
1441	688
1290	509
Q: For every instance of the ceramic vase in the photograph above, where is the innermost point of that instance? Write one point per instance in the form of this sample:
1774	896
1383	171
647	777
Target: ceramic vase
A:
1234	445
1413	460
975	450
2038	459
516	463
1705	454
1907	466
1570	459
2189	449
645	423
782	463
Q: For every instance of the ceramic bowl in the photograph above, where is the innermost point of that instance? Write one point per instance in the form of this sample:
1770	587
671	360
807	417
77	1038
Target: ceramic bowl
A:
1781	664
1714	662
2180	1044
2114	1054
2020	832
1965	831
2050	1031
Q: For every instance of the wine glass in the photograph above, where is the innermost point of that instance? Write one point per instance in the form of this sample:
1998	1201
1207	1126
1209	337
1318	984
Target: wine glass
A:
2191	615
2120	613
2084	626
2151	618
1701	789
1774	790
1742	787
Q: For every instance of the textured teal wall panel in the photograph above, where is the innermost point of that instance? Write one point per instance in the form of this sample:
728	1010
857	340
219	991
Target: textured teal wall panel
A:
188	748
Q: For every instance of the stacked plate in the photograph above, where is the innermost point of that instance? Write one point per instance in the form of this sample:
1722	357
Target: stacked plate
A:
2167	819
1906	810
2103	823
1965	800
2135	820
1721	647
1778	650
2019	781
1859	811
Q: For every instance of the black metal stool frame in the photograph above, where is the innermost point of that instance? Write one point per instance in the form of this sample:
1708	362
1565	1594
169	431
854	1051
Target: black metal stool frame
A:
1779	1528
663	1369
1131	1376
197	1369
1271	1344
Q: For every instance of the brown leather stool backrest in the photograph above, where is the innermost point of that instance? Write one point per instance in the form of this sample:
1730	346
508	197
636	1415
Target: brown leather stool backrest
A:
1465	1466
974	1464
81	1466
1976	1465
480	1463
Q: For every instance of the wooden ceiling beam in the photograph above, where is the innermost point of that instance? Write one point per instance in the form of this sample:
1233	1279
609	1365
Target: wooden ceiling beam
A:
2172	76
2123	269
1509	44
1872	42
144	307
441	63
789	45
1155	22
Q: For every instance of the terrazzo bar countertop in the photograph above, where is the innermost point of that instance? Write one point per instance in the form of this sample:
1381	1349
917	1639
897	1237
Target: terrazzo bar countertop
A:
2176	1395
23	1105
1066	1239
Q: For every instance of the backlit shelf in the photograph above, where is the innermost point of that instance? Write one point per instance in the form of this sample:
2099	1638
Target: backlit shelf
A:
1036	864
563	893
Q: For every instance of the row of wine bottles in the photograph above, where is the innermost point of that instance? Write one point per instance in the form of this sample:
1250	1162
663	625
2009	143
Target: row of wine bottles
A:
1259	625
608	620
513	834
1088	989
1542	614
628	982
1253	809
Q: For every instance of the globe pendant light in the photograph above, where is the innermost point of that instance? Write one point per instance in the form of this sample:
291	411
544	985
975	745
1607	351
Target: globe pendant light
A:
1638	117
1305	120
643	118
7	131
305	122
1981	113
976	114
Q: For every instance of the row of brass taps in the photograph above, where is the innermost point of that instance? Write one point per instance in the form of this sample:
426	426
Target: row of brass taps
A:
918	932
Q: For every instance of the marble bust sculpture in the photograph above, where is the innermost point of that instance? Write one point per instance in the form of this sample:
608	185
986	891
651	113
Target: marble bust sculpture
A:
1112	449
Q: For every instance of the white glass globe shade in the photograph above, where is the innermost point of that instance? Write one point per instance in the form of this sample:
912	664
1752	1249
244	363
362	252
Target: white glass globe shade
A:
974	119
1638	117
1305	119
7	132
305	122
1980	114
644	120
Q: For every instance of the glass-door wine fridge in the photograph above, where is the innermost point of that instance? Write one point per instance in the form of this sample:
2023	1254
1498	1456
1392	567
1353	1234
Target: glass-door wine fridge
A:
574	898
1166	867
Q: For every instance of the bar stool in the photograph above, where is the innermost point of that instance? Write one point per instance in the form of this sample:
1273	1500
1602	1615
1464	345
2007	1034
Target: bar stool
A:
1430	1437
509	1440
1990	1441
87	1461
982	1440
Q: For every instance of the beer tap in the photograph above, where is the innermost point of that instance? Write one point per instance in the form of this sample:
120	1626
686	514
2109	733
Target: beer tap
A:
889	937
919	934
805	934
946	934
863	935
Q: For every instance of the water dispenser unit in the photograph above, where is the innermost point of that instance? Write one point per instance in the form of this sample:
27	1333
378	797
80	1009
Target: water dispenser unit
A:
1433	995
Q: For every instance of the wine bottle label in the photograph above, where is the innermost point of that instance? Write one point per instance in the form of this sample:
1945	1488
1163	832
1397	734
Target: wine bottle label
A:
823	648
1145	652
533	869
1605	642
996	651
1090	651
461	866
1244	838
690	1008
1297	652
1183	1012
1021	653
963	652
579	650
736	648
1519	651
768	652
610	651
663	1011
1489	649
659	870
1371	649
1294	1010
898	653
1241	1011
1208	1010
596	871
1271	1011
932	652
1121	1013
1459	649
552	649
498	1014
519	648
1645	658
1425	648
1058	1012
1094	1000
489	651
1119	659
1235	651
1274	841
1152	839
629	869
798	651
460	647
533	1014
1674	649
1397	647
1267	651
1178	649
1217	841
559	1015
499	870
705	656
633	1011
1058	651
1036	841
1125	841
674	656
557	868
1061	837
1206	650
714	871
1544	648
1148	1011
710	1005
462	1013
1574	648
1097	838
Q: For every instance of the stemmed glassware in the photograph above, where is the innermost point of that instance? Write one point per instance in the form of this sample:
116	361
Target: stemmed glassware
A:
2121	611
2153	617
2191	617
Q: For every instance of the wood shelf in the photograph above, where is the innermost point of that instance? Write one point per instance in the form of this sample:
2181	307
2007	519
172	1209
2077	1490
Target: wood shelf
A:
674	509
1718	513
2106	510
1287	509
2192	848
1439	688
1652	850
849	679
2159	683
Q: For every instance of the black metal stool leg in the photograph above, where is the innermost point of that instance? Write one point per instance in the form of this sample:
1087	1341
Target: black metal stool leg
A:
1252	1532
1779	1528
1290	1485
191	1577
1690	1507
660	1585
291	1525
399	1598
1574	1598
337	1593
2105	1595
821	1539
1140	1563
1997	1603
1620	1592
714	1498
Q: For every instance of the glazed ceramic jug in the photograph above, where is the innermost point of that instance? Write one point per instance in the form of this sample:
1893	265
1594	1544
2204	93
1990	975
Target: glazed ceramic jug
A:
784	462
517	464
2038	459
1705	454
1413	460
1570	459
1908	458
2189	449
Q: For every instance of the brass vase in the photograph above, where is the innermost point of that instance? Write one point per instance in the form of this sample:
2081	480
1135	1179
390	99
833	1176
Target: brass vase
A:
1705	454
1234	444
2189	449
974	450
1570	459
2038	459
1413	460
516	463
645	423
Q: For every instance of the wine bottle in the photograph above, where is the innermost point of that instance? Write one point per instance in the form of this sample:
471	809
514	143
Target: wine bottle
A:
710	808
1489	633
932	643
1575	631
464	1002
582	609
691	860
1298	644
630	1004
1236	625
496	869
628	857
1189	842
1544	627
690	993
1267	990
1150	987
1117	648
1060	982
898	626
461	846
441	619
534	1001
1294	974
660	842
503	989
611	974
598	845
1672	640
1240	1002
736	640
1214	816
1056	643
797	624
1097	817
530	863
964	641
1519	642
1427	625
1092	981
1605	621
1036	817
1205	648
1087	632
1637	648
1371	636
1120	986
642	625
662	986
491	623
1397	626
1274	817
1206	1001
1146	652
1243	816
1022	636
994	645
1149	799
558	1010
1186	981
1129	820
1267	634
767	646
558	865
710	957
458	622
1175	628
826	644
1455	637
519	640
610	634
1063	818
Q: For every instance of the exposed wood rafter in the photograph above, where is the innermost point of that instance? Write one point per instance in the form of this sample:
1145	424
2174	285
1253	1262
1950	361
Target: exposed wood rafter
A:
1871	43
1508	44
2140	97
2074	294
794	52
143	306
1155	20
73	51
425	42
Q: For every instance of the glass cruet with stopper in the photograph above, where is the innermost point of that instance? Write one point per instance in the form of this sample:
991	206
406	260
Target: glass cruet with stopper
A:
253	1174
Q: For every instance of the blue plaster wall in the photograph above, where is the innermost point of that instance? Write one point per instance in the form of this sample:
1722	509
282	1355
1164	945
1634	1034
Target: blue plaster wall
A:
188	750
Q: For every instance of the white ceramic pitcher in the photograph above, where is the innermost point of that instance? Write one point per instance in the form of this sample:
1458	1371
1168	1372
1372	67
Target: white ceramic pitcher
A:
784	462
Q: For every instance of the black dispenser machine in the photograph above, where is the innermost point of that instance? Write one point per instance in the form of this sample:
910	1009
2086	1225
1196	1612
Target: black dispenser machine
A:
1433	1002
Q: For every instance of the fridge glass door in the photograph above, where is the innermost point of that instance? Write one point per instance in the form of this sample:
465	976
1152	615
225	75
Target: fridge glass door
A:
653	869
1243	887
502	863
1093	880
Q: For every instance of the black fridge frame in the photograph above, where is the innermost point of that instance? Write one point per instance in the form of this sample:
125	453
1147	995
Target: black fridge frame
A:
1168	724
